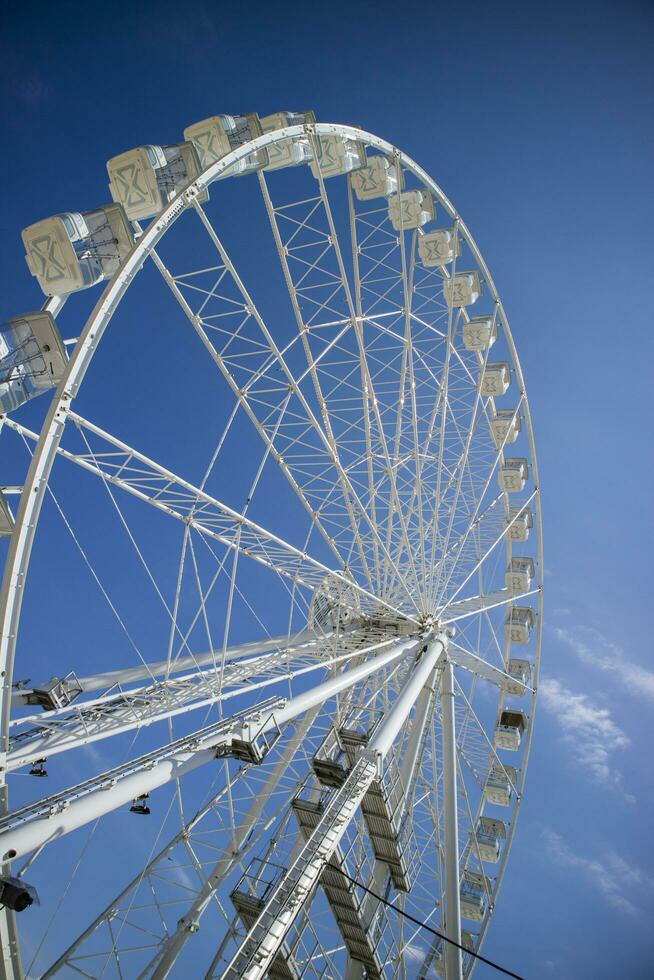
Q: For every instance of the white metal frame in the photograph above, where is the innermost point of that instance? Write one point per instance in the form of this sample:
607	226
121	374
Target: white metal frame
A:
48	446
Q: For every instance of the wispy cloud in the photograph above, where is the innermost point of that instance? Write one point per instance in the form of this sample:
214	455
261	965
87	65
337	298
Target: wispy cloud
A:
592	648
613	878
587	729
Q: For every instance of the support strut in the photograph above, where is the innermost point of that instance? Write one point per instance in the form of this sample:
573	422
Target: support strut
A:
453	965
253	958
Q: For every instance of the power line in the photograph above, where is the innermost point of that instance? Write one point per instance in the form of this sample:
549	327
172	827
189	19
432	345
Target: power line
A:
423	925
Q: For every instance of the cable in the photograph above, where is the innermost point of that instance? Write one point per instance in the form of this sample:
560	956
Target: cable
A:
424	925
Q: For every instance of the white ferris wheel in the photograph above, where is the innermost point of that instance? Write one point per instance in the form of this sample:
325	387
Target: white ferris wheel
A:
277	646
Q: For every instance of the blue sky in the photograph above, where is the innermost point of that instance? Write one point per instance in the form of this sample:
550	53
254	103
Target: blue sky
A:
537	123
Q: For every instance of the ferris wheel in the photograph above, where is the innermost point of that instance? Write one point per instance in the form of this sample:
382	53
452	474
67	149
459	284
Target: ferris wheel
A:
272	601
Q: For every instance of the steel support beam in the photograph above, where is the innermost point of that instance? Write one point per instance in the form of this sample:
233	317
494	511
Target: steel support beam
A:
60	730
234	852
408	773
413	752
116	789
253	958
388	731
65	729
10	963
209	658
453	963
262	943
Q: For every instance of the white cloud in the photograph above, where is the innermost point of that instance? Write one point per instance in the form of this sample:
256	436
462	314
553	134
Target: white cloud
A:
592	648
414	953
182	877
587	729
619	884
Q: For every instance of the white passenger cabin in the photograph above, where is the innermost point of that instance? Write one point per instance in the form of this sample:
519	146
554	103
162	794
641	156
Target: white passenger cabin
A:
513	474
32	358
473	895
336	155
463	289
519	624
215	137
505	426
411	209
489	836
509	730
146	178
499	785
74	250
6	519
521	520
378	179
437	248
479	333
496	379
291	152
519	573
520	672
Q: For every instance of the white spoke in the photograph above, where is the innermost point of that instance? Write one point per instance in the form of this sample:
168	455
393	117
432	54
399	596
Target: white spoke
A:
61	730
162	489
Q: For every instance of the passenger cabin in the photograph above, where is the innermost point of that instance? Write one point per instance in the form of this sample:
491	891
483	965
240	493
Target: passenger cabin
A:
509	731
6	519
496	379
411	209
474	891
378	179
291	152
505	427
463	289
512	475
337	155
519	573
521	520
32	358
499	785
489	835
146	178
74	250
479	333
520	671
215	137
519	624
438	248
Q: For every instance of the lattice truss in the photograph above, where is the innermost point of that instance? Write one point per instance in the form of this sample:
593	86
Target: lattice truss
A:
393	482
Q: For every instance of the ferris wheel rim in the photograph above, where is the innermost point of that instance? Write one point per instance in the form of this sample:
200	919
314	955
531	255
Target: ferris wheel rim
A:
16	567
